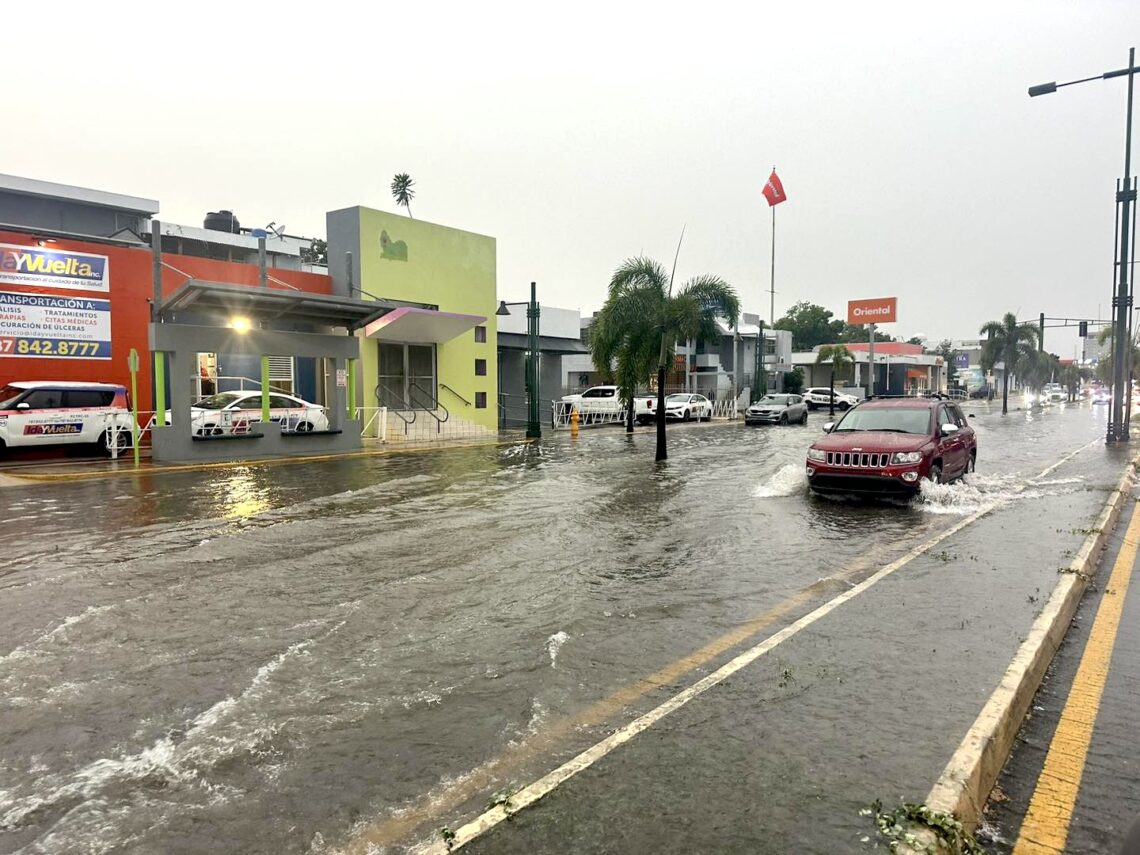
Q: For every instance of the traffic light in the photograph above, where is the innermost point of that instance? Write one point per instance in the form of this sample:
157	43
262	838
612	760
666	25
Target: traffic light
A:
1083	329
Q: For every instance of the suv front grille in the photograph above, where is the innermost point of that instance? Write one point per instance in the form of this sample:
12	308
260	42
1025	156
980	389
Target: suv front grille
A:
857	459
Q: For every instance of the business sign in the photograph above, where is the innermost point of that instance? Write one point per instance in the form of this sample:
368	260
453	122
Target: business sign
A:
962	360
52	268
39	325
880	310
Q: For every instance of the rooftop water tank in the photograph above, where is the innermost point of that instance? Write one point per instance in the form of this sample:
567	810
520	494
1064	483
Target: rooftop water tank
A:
222	221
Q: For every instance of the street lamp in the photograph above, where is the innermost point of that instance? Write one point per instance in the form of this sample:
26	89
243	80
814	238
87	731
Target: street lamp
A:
1122	299
533	428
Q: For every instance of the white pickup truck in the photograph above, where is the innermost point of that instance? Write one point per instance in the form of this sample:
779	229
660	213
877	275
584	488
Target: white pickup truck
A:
598	403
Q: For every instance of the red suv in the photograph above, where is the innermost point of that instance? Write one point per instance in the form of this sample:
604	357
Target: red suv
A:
886	446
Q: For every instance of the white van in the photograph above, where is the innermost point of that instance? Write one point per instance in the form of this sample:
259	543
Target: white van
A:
44	413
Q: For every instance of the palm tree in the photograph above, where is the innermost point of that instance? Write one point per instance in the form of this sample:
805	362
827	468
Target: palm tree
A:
1007	342
624	348
402	191
642	314
1104	366
839	357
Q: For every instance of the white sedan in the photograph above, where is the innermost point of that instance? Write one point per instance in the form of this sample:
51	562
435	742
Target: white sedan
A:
685	407
235	413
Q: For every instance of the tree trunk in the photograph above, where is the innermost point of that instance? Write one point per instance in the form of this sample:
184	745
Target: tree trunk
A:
1005	391
662	453
831	397
628	411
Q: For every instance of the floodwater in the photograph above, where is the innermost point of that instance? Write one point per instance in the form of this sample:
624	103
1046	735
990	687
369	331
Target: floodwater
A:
282	658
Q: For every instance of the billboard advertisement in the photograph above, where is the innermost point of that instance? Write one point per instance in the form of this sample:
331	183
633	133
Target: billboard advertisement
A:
880	310
51	268
43	326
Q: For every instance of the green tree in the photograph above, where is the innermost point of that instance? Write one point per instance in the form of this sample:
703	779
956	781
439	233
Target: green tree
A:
794	381
840	358
949	356
859	333
1007	341
810	325
642	308
402	191
317	253
623	348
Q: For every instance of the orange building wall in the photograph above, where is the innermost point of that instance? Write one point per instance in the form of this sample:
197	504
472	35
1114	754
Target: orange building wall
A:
131	288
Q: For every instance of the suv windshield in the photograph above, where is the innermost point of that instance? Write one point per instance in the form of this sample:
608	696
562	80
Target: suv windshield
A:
774	399
218	402
895	419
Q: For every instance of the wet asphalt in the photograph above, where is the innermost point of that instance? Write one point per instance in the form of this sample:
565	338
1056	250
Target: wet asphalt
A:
292	658
1108	798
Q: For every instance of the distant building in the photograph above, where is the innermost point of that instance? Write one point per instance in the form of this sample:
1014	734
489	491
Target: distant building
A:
900	368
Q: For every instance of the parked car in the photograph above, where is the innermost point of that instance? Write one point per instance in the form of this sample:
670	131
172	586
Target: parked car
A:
596	403
685	406
820	396
235	412
887	446
777	409
1102	396
45	413
644	408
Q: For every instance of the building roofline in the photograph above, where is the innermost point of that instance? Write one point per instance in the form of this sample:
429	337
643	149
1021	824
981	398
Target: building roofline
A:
101	198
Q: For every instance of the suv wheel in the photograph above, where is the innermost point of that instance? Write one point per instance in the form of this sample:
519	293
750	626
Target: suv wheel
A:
843	406
935	473
971	462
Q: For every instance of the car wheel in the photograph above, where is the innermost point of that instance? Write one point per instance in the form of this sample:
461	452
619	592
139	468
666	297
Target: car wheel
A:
843	406
783	418
935	475
305	427
122	439
971	462
685	417
803	418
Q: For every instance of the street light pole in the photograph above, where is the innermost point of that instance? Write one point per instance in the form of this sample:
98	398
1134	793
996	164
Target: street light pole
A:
533	428
1122	299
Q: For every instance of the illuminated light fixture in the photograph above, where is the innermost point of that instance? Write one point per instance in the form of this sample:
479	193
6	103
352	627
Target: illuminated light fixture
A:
240	325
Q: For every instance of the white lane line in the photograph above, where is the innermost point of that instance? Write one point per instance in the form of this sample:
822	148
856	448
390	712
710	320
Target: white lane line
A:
544	785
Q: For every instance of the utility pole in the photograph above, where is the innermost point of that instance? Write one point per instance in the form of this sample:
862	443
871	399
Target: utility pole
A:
871	361
1041	332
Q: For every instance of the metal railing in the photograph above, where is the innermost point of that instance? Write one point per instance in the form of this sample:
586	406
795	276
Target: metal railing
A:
382	393
416	389
456	394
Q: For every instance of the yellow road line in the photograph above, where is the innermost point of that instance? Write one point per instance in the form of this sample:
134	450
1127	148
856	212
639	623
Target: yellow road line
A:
1046	825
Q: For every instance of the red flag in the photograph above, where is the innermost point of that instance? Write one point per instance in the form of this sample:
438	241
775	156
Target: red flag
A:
774	190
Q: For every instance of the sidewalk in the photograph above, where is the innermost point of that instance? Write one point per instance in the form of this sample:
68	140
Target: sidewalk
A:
1073	782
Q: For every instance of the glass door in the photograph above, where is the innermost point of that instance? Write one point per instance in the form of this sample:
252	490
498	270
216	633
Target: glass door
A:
407	376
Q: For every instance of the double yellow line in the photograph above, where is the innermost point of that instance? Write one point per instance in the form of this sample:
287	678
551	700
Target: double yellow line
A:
1045	828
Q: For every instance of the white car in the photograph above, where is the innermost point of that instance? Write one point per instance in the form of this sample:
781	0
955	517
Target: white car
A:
235	413
684	406
819	396
65	413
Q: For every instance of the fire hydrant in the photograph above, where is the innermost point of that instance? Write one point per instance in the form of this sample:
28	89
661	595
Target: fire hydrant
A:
574	424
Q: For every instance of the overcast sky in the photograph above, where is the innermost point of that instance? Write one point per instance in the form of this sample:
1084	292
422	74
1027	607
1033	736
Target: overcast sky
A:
580	134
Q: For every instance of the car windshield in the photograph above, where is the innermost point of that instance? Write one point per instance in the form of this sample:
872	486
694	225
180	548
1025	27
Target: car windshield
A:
782	400
218	402
8	396
893	419
677	399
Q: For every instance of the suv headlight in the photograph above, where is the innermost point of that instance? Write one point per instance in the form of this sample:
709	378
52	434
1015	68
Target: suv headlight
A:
906	457
816	454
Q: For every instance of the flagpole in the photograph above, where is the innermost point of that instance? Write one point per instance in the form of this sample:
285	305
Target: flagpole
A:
772	288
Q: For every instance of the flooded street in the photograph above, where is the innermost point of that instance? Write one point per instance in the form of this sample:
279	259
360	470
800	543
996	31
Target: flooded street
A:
295	658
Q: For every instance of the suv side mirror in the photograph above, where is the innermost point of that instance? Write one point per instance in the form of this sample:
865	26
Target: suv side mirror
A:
23	405
949	429
827	428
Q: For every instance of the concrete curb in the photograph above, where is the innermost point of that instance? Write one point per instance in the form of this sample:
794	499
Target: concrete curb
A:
966	781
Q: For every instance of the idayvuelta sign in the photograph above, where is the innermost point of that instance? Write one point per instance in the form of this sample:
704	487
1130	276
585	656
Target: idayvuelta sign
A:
40	325
51	268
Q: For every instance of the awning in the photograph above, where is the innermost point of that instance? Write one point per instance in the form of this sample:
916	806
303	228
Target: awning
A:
546	343
273	303
421	326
